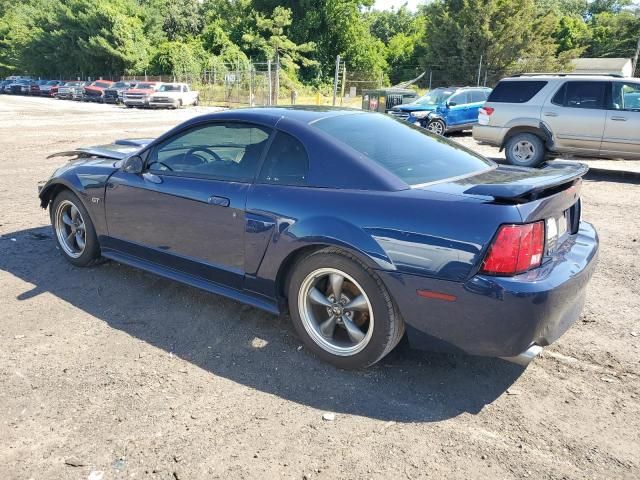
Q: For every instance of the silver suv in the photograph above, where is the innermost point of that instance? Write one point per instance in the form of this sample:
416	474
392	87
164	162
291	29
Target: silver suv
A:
538	117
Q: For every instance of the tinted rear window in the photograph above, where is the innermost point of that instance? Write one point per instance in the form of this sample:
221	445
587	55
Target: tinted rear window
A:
513	91
407	151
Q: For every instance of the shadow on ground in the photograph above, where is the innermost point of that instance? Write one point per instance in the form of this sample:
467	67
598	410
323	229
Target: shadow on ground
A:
218	335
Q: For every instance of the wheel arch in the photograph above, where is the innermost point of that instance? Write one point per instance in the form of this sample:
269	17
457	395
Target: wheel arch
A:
50	190
287	266
539	131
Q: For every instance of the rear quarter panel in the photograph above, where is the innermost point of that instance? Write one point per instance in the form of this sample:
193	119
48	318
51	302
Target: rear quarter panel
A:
413	231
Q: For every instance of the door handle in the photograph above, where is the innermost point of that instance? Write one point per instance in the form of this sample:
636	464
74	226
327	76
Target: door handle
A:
218	201
619	119
550	114
150	177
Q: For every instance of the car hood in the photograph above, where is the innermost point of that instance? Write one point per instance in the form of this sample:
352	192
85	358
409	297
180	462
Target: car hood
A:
114	151
146	91
167	94
414	107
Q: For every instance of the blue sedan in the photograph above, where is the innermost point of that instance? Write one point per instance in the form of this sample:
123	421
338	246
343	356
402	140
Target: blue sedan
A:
364	228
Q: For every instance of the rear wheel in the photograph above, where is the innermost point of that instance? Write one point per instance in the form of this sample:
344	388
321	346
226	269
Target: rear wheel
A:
525	150
342	311
74	231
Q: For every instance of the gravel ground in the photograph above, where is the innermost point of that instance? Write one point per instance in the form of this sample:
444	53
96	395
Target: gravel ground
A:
110	372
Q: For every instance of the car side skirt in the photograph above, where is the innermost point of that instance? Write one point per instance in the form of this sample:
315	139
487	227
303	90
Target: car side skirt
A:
245	297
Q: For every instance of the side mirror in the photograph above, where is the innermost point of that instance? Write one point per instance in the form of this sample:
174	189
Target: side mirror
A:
133	165
451	104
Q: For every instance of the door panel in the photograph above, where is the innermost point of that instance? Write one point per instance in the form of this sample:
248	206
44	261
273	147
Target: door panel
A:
622	134
184	217
457	114
622	128
576	117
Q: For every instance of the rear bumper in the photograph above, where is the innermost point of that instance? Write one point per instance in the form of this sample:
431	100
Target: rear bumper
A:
499	316
488	134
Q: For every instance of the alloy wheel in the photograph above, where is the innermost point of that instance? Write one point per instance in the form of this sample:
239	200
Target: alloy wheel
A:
436	127
335	311
70	229
523	151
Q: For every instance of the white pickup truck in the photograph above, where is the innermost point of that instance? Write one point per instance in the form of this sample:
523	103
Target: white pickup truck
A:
173	95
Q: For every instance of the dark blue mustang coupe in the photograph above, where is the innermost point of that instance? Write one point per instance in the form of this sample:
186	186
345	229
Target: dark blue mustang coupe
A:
361	226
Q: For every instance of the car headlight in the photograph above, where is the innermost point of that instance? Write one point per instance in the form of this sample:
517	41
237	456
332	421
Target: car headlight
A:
421	114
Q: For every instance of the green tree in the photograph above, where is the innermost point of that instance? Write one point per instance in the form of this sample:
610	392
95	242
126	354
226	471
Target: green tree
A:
507	34
614	35
272	42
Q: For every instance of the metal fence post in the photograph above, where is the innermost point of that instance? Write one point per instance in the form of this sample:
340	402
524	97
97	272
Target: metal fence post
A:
270	82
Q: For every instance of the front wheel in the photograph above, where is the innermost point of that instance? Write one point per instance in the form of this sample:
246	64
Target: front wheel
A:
436	126
74	231
525	150
342	311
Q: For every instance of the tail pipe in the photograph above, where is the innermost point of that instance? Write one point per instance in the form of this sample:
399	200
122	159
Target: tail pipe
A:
526	357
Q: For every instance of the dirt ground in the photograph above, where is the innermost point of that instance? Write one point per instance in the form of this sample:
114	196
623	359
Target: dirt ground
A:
110	372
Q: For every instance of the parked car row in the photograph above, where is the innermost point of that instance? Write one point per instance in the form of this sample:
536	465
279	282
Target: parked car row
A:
537	117
130	93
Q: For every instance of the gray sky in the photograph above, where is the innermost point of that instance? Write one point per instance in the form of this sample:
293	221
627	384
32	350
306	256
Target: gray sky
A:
386	4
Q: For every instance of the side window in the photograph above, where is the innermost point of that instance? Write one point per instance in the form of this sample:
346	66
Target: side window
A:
516	91
286	162
459	98
224	151
558	98
478	96
585	95
626	96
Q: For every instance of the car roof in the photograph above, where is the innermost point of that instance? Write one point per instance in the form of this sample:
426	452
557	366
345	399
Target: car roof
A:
564	76
304	114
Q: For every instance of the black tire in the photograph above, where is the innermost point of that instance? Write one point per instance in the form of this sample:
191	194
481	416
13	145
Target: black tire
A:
437	127
91	252
387	327
525	150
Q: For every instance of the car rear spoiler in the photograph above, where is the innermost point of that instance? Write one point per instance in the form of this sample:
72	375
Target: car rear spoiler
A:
533	185
116	151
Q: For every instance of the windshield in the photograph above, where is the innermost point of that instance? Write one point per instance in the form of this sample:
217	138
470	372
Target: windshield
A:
145	85
102	84
409	152
169	88
52	82
435	97
119	85
71	84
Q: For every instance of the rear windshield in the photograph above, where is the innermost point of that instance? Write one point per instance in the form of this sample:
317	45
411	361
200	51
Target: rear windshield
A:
515	91
407	151
145	85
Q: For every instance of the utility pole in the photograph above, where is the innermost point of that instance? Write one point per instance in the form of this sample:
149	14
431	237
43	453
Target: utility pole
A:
335	80
344	81
635	59
479	70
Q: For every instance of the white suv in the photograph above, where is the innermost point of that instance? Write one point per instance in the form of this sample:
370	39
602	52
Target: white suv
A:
537	117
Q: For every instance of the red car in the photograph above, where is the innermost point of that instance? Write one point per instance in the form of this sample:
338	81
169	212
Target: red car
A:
95	91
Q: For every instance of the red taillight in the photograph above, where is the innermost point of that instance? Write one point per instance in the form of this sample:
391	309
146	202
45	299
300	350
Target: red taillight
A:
487	110
516	249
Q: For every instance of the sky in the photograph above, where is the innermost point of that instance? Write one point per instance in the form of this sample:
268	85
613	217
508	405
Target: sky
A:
387	4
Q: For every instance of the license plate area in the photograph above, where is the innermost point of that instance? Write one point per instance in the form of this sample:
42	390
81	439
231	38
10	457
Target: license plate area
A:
557	230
